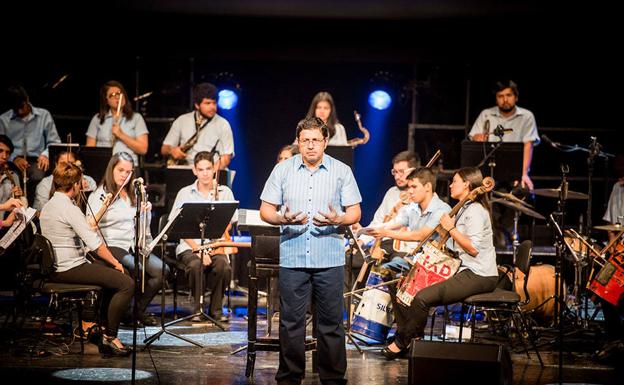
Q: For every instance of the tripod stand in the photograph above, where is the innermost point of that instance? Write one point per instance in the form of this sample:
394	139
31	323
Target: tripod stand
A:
194	216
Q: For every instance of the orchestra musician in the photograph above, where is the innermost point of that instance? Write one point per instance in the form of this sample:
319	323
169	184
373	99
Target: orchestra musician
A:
32	130
9	184
116	224
420	217
45	188
401	165
200	130
116	125
216	265
316	194
471	235
66	227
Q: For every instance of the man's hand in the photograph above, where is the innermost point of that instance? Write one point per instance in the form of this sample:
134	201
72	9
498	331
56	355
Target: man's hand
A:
480	138
177	153
297	218
43	163
10	204
378	233
21	163
327	219
527	182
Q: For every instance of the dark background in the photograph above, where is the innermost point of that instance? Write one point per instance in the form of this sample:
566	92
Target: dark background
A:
446	53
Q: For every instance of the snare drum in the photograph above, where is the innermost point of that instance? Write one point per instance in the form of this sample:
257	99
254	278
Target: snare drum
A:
608	284
373	317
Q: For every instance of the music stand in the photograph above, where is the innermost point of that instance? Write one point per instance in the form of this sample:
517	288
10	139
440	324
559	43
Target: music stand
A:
342	153
95	160
500	160
204	220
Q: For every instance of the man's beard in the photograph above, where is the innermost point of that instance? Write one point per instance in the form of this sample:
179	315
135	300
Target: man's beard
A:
402	188
507	109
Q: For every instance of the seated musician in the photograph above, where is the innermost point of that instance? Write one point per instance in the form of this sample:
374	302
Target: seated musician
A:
401	164
216	265
45	188
471	234
200	130
420	217
115	223
66	227
9	184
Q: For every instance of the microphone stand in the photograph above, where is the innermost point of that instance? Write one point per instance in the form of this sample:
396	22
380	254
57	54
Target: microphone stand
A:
490	155
137	224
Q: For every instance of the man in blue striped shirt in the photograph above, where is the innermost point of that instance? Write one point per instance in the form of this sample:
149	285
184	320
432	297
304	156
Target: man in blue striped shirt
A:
310	195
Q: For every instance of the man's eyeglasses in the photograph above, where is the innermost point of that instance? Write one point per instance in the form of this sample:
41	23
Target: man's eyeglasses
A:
114	95
397	172
315	142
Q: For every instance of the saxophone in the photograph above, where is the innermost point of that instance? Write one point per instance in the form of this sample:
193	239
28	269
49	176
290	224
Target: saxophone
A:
199	119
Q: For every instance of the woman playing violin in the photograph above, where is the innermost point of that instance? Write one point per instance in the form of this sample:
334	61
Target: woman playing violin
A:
471	234
116	226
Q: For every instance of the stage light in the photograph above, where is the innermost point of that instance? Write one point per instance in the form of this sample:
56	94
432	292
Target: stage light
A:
379	99
381	86
228	99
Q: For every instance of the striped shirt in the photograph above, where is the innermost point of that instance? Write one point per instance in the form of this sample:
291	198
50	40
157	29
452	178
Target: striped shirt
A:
292	184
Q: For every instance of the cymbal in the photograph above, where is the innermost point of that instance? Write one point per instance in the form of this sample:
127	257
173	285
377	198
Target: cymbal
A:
512	198
609	227
523	209
555	193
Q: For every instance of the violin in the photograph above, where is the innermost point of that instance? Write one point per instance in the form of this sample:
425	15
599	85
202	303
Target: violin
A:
16	190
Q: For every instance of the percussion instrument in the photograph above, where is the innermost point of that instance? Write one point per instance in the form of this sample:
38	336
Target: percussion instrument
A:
609	227
373	317
556	193
541	288
523	208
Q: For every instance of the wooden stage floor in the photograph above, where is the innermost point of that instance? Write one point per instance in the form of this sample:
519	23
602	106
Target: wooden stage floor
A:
25	358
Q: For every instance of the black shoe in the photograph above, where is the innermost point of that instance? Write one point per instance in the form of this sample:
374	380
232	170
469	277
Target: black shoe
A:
108	348
390	355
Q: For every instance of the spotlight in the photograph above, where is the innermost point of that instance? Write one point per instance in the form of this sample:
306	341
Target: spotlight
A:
229	90
380	84
379	99
227	99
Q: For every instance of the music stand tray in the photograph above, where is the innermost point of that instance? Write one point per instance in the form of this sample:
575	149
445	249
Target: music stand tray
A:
508	158
342	153
95	160
204	220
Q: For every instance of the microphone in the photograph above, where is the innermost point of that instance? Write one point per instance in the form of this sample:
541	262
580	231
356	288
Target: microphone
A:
547	140
500	130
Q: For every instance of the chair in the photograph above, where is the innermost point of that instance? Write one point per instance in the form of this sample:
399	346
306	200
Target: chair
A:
60	293
175	265
501	300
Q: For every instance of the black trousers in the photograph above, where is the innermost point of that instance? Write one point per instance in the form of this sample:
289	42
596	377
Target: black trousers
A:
217	278
296	287
153	274
411	321
118	289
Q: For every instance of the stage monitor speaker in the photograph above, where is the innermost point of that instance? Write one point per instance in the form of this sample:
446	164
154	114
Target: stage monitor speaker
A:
433	362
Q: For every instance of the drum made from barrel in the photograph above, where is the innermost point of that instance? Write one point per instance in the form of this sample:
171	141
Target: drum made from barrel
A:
541	288
608	284
373	317
432	265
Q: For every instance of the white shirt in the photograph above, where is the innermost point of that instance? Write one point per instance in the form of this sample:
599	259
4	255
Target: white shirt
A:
340	137
191	193
42	194
183	128
522	122
390	199
103	132
66	227
615	207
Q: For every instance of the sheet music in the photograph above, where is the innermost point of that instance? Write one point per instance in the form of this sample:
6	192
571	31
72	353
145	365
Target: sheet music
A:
247	217
155	241
23	216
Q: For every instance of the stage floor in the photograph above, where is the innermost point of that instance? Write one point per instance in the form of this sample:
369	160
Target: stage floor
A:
26	358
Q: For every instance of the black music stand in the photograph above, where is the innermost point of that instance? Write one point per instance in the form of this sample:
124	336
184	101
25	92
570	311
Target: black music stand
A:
95	160
342	153
204	220
500	160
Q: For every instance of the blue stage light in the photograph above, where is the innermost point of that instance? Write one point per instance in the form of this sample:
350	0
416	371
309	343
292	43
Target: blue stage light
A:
379	100
228	99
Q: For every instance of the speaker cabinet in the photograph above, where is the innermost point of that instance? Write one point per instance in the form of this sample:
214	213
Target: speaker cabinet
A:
433	362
